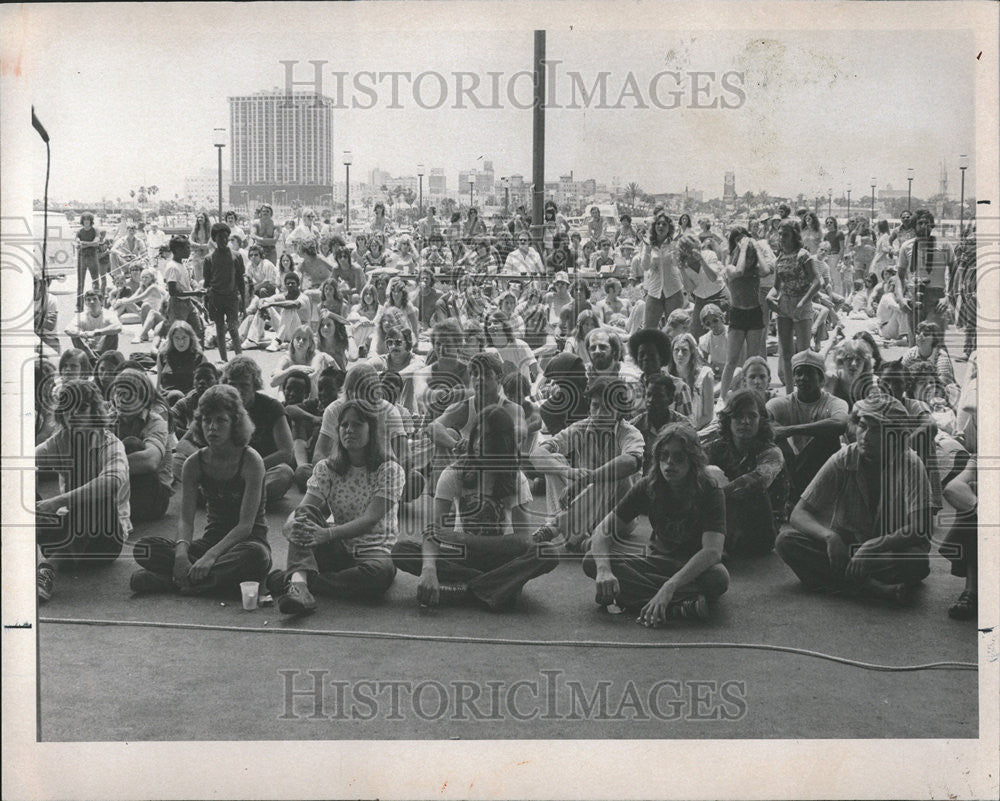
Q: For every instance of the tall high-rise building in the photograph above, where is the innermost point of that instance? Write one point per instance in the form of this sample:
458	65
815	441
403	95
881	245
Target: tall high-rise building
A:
281	143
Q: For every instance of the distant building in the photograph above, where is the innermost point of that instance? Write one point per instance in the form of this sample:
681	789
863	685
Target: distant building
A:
203	188
729	189
281	143
437	182
379	178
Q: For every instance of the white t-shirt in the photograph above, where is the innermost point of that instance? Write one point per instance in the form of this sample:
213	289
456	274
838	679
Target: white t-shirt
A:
470	499
85	322
520	355
178	274
388	414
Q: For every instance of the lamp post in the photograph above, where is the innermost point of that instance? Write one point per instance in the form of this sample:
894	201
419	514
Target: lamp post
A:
829	204
246	199
506	195
874	184
472	184
909	186
420	176
347	205
963	165
220	142
848	203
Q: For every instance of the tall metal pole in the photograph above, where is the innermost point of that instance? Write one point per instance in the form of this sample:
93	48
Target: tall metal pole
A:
961	209
421	195
219	148
538	141
347	205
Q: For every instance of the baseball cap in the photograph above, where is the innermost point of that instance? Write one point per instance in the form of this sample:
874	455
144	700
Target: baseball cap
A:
810	359
883	408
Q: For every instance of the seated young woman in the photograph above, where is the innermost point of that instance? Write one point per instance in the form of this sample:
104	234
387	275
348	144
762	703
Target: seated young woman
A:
341	535
478	548
148	445
86	522
229	475
682	570
178	357
746	463
305	415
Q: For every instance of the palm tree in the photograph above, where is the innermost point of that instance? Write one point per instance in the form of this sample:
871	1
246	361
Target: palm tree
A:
631	191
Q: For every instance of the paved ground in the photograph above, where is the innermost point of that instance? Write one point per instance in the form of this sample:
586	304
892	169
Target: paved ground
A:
115	682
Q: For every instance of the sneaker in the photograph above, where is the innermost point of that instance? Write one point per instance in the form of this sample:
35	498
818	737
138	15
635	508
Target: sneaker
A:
297	600
146	581
965	608
45	579
274	347
692	609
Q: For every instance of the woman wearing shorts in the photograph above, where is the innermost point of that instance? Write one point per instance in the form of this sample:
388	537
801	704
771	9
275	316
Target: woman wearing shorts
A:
746	319
795	283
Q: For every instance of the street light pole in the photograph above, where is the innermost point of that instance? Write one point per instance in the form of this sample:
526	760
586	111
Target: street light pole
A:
471	185
506	196
220	136
420	175
909	187
963	165
848	203
874	184
347	205
829	205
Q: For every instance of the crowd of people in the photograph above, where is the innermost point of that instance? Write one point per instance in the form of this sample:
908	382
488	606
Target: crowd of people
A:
471	402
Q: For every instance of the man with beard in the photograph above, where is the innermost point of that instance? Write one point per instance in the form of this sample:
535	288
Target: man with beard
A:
863	524
808	423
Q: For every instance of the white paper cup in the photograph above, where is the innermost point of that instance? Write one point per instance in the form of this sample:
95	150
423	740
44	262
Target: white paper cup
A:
250	590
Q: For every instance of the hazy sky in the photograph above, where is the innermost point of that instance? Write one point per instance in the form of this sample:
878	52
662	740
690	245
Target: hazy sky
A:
130	96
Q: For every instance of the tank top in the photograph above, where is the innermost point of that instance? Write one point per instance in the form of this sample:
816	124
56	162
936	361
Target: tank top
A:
223	498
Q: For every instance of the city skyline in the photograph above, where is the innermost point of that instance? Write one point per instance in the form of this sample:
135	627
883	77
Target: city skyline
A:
814	117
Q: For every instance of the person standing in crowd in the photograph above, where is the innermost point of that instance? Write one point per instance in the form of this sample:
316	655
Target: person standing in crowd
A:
89	241
883	249
835	238
265	235
93	486
201	241
477	549
180	303
229	476
807	424
341	535
863	525
904	232
702	274
926	264
963	293
746	318
224	283
271	436
796	282
683	571
588	467
147	440
811	234
661	275
749	467
96	329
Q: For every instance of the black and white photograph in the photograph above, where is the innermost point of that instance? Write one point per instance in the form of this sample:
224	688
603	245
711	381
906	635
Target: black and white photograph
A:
500	400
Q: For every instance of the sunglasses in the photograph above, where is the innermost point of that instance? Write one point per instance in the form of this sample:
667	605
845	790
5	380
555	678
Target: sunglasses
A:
393	341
